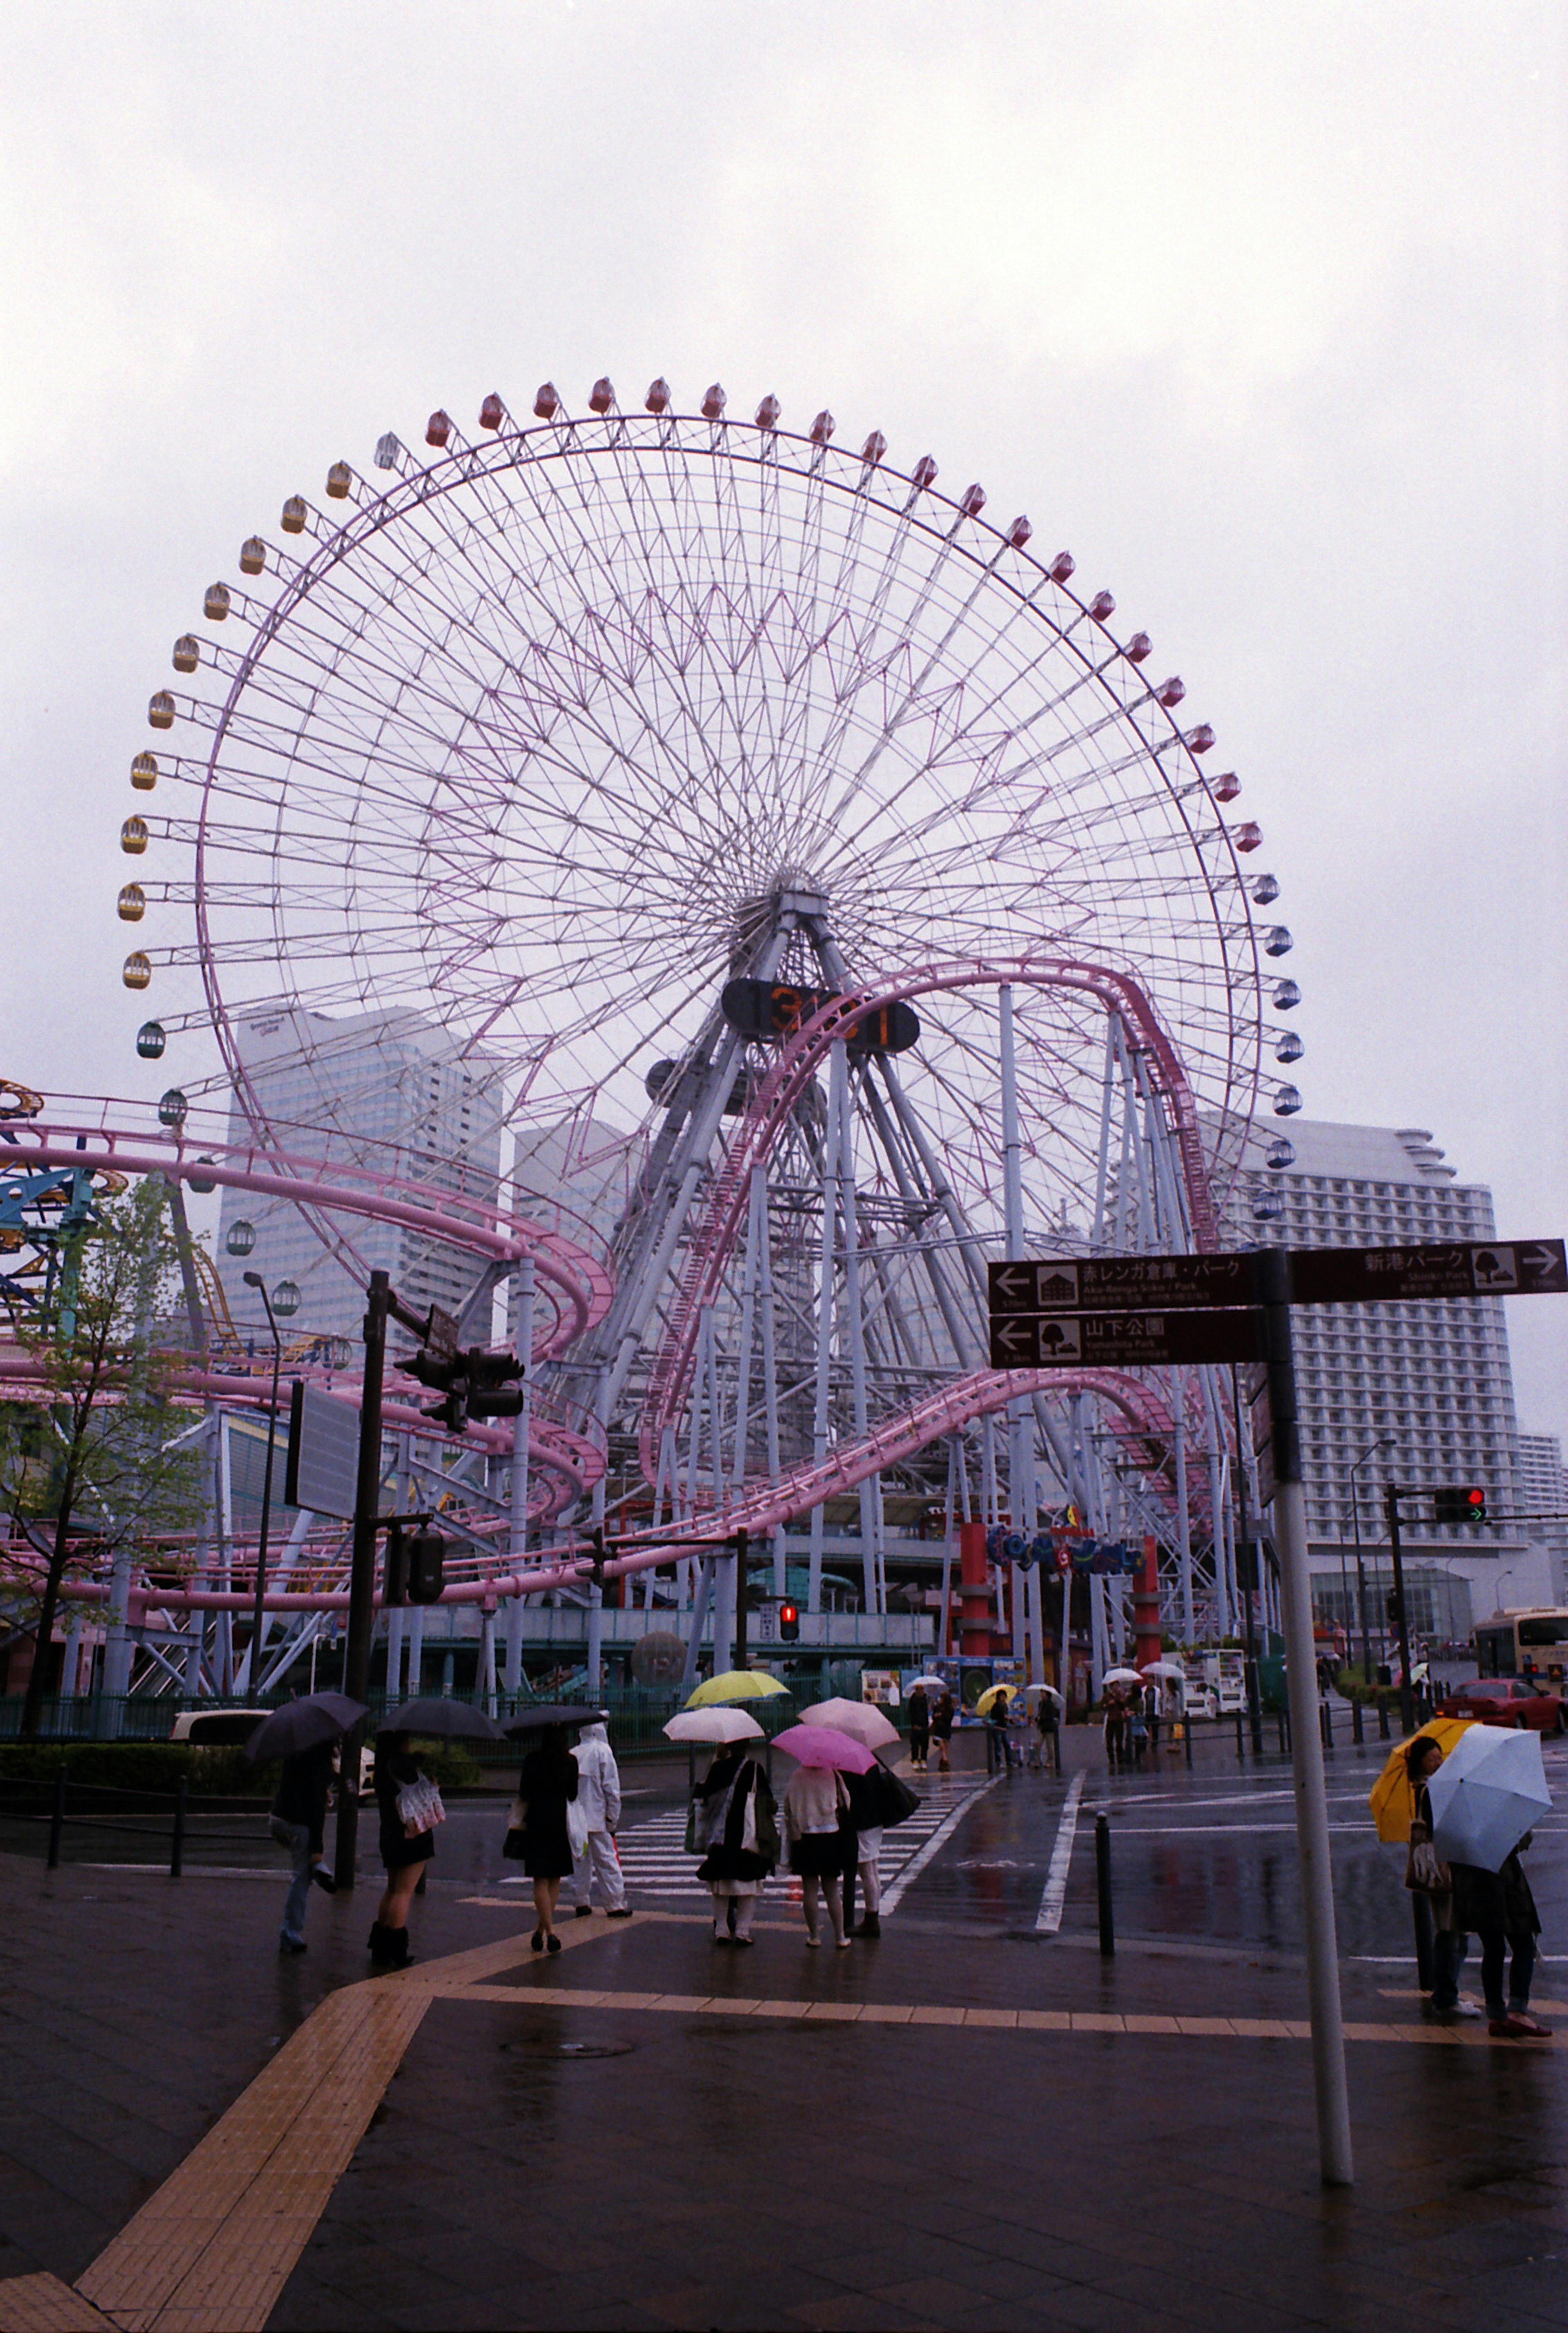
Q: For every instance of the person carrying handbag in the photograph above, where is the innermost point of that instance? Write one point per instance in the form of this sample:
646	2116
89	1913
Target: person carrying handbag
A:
1430	1882
409	1807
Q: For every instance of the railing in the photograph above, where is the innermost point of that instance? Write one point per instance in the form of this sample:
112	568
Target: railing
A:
32	1801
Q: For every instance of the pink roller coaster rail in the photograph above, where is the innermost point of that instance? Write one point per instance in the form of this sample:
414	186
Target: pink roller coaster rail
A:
714	1243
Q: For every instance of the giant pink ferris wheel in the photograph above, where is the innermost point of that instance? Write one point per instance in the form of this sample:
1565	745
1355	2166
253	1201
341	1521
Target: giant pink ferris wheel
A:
619	748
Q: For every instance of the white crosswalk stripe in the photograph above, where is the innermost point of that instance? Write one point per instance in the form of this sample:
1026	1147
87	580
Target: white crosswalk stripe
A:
654	1859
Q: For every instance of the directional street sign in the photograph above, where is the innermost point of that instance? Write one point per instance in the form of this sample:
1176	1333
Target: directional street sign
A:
1123	1340
1112	1283
1371	1275
1319	1275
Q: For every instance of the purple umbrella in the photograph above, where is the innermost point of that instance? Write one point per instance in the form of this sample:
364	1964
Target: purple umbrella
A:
819	1745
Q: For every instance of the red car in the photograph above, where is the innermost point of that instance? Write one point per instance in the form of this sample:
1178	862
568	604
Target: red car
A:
1505	1700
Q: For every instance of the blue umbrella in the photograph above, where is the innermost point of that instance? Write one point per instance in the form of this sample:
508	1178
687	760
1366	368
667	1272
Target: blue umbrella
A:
1488	1791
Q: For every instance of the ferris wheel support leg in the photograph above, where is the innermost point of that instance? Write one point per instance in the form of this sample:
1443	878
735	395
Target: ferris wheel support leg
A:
1183	1513
699	1622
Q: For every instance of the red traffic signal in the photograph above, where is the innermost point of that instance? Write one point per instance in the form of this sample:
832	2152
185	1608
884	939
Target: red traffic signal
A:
789	1622
1460	1502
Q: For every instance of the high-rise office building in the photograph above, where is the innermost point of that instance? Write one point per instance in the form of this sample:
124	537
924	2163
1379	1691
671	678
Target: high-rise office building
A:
1543	1484
381	1090
1419	1394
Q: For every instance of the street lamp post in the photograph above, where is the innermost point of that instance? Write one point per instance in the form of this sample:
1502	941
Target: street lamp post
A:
253	1280
1383	1442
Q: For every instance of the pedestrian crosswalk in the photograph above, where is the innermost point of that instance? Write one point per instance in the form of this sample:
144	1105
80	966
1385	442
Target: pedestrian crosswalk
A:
656	1864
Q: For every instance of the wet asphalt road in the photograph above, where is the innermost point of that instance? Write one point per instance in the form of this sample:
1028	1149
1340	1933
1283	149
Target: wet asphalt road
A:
1202	1857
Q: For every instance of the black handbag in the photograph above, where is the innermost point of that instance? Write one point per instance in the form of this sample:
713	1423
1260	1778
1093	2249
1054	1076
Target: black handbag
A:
896	1803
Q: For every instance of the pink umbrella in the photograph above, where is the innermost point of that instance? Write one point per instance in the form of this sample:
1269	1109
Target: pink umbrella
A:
863	1721
819	1745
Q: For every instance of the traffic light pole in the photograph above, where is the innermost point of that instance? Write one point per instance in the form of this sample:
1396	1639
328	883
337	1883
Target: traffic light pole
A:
1407	1698
742	1575
362	1570
1328	2041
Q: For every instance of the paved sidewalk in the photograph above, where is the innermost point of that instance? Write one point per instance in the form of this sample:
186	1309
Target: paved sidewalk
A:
946	2127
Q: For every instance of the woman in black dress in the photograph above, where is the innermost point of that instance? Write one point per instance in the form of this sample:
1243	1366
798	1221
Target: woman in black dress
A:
404	1852
545	1788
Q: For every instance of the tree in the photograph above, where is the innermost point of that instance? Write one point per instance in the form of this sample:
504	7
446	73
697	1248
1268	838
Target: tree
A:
110	1467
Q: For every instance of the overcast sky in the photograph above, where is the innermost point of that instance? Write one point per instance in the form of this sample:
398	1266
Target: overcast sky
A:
1259	310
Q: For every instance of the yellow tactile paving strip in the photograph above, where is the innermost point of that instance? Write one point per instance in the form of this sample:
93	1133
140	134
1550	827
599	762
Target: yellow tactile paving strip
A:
218	2243
42	2304
1009	2020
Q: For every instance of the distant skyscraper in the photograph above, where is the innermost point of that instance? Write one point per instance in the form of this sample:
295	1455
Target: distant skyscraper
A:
1434	1377
1544	1491
380	1090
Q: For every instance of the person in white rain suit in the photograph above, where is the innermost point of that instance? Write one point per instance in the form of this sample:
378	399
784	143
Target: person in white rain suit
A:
599	1796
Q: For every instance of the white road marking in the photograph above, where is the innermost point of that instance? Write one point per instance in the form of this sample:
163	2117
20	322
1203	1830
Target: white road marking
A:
1048	1919
938	1838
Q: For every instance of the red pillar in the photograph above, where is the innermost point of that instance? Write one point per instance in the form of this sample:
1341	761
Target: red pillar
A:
1146	1604
974	1592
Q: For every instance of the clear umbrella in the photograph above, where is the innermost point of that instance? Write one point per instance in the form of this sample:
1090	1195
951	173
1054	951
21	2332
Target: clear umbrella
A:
714	1725
863	1721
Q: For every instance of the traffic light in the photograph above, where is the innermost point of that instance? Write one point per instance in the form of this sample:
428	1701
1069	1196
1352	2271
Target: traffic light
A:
1463	1503
493	1388
789	1622
474	1384
395	1578
426	1566
1393	1609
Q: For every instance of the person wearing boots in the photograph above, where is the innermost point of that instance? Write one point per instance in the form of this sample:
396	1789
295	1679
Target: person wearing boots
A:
405	1850
598	1802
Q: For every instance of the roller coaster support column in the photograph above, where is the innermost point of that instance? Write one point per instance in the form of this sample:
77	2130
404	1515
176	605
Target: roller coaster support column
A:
1312	1821
975	1623
362	1568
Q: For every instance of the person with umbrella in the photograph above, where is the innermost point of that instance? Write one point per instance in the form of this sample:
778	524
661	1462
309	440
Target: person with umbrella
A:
1431	1881
817	1821
409	1807
299	1821
877	1798
1484	1796
735	1825
304	1734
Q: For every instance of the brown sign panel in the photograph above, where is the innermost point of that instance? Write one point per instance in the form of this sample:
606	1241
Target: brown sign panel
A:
1372	1275
1319	1275
1124	1340
1112	1283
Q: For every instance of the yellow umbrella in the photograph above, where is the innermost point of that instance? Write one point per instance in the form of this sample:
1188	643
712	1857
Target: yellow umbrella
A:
735	1685
990	1693
1391	1801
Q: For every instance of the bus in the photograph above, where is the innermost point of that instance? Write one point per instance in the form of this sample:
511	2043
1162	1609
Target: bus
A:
1532	1643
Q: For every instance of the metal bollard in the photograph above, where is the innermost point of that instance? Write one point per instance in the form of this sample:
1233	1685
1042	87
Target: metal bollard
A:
1326	1724
57	1819
1356	1735
177	1848
1103	1886
1186	1738
1240	1752
1383	1734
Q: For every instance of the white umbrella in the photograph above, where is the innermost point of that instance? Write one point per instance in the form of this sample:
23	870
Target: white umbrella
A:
1488	1791
713	1726
1121	1676
1171	1669
863	1721
1033	1692
931	1684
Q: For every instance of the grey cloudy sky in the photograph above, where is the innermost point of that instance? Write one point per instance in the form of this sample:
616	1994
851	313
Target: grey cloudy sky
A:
1259	310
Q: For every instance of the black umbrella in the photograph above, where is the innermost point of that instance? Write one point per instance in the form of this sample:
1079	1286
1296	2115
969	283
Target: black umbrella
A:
449	1719
552	1713
302	1724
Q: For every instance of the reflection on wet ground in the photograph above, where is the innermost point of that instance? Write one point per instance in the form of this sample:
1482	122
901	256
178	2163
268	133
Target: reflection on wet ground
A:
1206	1855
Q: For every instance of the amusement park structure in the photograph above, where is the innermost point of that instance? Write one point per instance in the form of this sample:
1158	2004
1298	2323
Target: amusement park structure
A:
812	876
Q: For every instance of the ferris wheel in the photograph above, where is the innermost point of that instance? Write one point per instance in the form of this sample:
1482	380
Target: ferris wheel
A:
610	748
